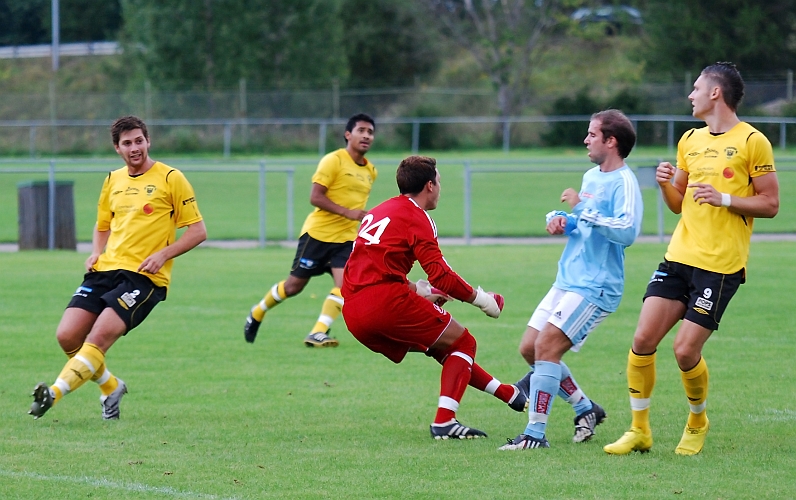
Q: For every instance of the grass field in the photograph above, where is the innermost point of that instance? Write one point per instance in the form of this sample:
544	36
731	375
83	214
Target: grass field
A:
228	197
209	416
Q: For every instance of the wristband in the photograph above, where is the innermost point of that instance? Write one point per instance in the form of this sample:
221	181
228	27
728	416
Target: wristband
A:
726	199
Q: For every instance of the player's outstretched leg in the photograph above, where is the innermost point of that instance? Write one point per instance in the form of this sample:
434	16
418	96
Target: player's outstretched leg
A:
512	395
273	298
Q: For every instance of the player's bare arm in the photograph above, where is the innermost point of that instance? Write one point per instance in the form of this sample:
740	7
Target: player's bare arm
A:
765	202
319	199
570	196
672	182
98	242
193	235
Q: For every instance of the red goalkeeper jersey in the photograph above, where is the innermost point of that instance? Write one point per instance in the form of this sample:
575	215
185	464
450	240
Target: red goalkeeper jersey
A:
392	237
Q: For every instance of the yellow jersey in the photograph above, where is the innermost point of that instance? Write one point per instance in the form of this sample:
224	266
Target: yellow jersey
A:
143	214
348	185
714	238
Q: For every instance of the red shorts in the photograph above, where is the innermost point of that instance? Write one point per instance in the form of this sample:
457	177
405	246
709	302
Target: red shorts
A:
392	320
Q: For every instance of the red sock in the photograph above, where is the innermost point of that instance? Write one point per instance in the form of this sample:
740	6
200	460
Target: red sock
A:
480	379
456	368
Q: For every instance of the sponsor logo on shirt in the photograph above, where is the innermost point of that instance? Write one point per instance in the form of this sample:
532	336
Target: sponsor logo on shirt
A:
127	299
704	304
694	153
131	191
189	200
711	153
728	173
148	209
764	168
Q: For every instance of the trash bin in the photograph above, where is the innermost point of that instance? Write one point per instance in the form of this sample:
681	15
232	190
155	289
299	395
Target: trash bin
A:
34	216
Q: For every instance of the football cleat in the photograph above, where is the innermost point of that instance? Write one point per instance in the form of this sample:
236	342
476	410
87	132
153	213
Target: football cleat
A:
525	382
519	401
454	430
320	339
42	400
693	440
110	403
632	440
524	442
250	329
586	422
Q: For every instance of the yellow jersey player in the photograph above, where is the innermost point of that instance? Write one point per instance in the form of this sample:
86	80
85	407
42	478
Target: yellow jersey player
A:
725	178
340	189
141	205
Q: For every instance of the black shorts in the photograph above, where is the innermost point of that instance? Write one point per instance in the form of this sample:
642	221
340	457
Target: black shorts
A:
314	257
704	293
131	295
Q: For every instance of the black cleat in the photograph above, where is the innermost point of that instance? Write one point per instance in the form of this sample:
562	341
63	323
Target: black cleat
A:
250	329
525	383
42	400
586	422
455	430
518	402
524	442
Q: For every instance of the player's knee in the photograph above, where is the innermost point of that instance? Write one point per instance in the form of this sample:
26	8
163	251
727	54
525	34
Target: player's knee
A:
527	351
465	344
294	287
68	338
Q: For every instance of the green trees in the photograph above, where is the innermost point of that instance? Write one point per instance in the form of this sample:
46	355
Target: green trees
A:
29	22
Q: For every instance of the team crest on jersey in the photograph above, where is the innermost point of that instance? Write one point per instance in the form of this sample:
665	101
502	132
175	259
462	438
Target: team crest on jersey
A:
150	188
711	153
730	152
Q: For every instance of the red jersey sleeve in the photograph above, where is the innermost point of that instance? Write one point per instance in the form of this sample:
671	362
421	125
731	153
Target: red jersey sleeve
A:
428	254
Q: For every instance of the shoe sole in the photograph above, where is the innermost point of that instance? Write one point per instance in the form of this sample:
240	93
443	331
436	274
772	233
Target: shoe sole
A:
325	343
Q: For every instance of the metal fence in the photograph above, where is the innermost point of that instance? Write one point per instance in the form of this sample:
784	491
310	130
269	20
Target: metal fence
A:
92	135
483	197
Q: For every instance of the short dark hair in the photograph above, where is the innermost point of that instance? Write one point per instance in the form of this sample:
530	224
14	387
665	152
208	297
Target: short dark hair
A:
359	117
414	172
729	80
614	123
126	124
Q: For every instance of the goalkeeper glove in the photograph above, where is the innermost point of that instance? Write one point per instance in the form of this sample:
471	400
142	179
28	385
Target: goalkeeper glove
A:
430	293
489	302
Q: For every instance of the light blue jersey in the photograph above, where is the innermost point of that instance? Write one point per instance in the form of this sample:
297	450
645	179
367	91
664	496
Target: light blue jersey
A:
607	219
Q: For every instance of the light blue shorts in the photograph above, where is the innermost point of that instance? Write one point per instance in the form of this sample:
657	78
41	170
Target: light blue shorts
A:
570	313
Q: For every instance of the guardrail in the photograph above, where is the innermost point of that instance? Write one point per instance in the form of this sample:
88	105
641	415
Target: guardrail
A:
323	124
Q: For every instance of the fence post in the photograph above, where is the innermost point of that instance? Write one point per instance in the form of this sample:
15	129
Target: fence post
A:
147	100
789	89
33	141
322	139
290	204
506	135
262	204
415	136
227	139
243	111
782	135
670	136
467	196
51	207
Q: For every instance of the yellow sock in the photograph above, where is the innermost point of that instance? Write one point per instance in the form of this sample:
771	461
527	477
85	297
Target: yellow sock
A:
78	370
329	311
71	354
640	382
695	382
105	379
273	298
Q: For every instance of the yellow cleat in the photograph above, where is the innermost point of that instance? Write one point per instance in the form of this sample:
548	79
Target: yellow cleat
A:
693	440
632	440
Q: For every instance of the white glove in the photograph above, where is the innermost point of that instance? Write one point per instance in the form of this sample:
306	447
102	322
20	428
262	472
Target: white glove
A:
488	302
428	292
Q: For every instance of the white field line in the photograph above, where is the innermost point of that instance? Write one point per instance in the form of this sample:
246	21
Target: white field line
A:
772	415
112	485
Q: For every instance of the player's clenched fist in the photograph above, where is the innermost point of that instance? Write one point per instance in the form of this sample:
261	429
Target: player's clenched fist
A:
489	302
